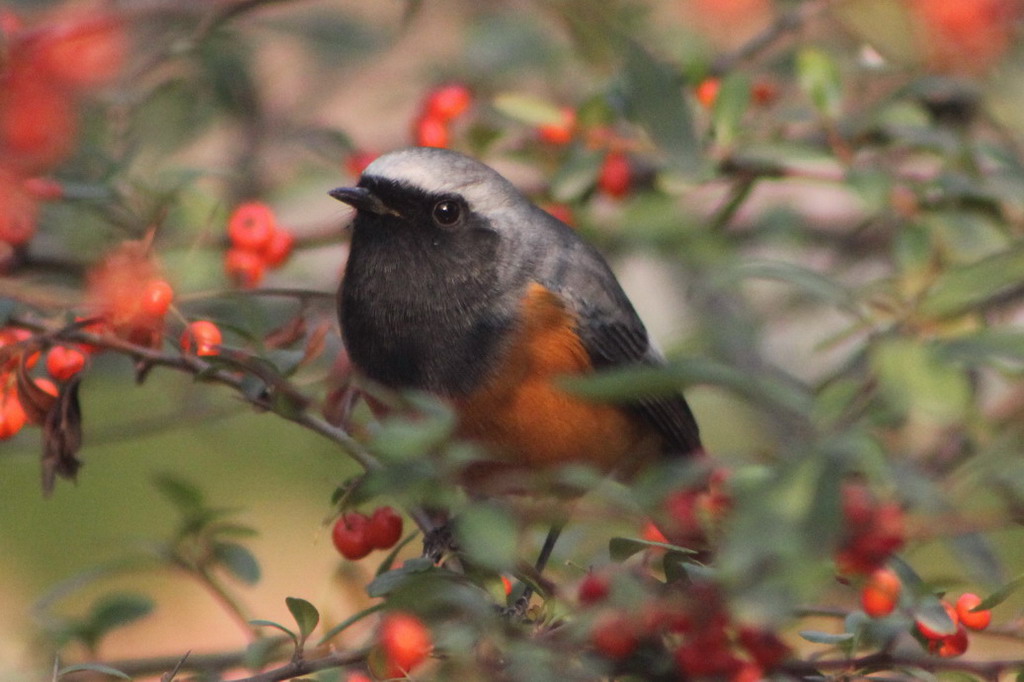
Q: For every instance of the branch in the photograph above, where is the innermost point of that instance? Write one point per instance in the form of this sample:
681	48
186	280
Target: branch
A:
299	667
884	661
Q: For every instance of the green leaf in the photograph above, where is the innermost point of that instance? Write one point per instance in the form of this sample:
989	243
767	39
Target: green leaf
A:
118	610
351	620
675	565
260	622
389	561
967	286
183	494
1000	595
930	612
914	379
654	94
577	174
527	108
488	534
810	282
983	347
386	583
730	106
93	668
305	614
817	637
621	549
818	75
238	560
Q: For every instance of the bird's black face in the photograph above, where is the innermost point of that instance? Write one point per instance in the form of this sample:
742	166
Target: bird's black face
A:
421	276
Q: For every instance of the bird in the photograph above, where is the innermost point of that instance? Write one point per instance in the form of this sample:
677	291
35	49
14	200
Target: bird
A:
458	285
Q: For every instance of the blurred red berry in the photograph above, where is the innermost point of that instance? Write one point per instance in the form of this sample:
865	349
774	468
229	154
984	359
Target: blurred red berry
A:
276	251
975	620
929	633
614	637
431	132
201	337
873	531
615	178
707	92
952	645
12	415
563	212
406	643
12	358
448	102
244	267
46	386
81	53
652	533
43	188
881	593
251	225
157	297
10	23
384	528
358	160
19	210
37	121
349	536
764	92
964	36
506	585
560	133
63	362
594	588
764	646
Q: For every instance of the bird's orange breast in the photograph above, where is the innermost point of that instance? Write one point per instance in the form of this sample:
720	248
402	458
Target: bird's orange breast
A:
527	419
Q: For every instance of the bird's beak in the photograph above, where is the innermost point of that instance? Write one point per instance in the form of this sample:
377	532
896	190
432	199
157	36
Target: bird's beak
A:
361	199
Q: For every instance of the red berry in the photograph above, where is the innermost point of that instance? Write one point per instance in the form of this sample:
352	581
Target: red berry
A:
561	211
19	209
431	132
37	121
929	633
951	645
406	643
157	297
46	386
12	415
506	584
246	268
593	589
349	536
63	363
616	175
201	337
251	225
652	533
881	593
43	188
614	636
975	620
707	92
384	528
278	249
86	53
448	102
764	646
559	133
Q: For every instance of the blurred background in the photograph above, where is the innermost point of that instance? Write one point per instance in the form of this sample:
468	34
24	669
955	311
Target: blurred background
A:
806	182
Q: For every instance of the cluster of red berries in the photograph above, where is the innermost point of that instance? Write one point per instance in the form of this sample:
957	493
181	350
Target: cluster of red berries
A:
693	629
963	36
355	534
762	93
257	243
44	71
880	595
690	515
440	108
874	530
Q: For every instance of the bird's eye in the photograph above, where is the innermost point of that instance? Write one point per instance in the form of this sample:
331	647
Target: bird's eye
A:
447	213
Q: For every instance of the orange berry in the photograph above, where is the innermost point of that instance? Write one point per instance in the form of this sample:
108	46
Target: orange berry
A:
12	415
707	92
881	593
616	175
448	102
37	121
276	251
406	642
63	362
431	132
506	584
652	533
251	225
46	386
201	337
246	268
932	634
157	297
975	620
19	210
560	133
